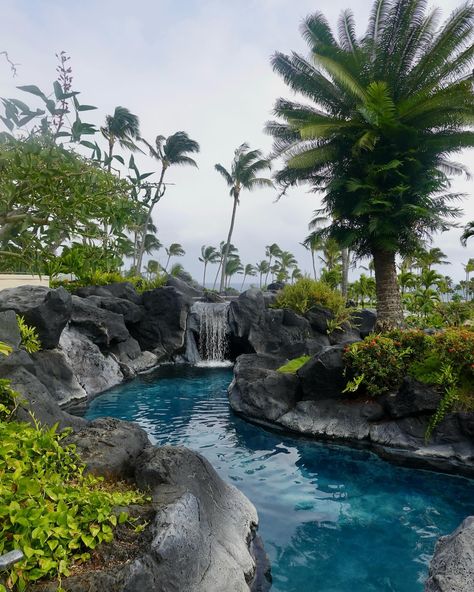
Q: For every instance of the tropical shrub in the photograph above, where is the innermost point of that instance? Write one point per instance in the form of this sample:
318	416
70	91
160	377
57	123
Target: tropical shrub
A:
8	398
30	340
377	364
306	293
293	365
102	278
49	509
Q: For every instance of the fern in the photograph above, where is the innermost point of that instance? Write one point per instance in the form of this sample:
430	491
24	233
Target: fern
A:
30	340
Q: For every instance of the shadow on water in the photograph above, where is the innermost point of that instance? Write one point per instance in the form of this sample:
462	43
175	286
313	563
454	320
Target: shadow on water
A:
333	519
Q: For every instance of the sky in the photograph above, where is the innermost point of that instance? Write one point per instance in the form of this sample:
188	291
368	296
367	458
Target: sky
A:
202	66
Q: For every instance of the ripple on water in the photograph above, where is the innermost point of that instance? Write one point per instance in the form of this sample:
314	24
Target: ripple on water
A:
332	519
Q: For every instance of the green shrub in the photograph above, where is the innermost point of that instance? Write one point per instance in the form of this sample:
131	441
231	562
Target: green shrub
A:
49	509
8	398
376	364
293	365
30	340
100	278
306	293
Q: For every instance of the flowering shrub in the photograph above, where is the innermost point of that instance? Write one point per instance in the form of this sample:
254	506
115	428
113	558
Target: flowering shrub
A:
377	364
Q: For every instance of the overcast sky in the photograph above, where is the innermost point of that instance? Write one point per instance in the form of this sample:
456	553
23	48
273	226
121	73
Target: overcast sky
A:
202	66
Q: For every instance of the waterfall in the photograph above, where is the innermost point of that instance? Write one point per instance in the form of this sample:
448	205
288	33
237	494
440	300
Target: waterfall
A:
208	321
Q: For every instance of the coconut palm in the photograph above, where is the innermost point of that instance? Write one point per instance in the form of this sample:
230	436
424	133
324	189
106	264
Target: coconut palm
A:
262	268
231	254
313	244
249	271
171	151
174	250
233	267
468	268
246	165
272	252
331	256
388	109
468	232
426	258
152	268
122	127
407	281
296	274
285	262
208	255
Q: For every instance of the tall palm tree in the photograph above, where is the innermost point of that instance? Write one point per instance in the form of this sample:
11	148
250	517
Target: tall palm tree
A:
208	255
171	151
271	252
246	165
249	271
286	261
468	232
122	127
233	267
232	253
174	250
262	268
313	244
468	268
388	109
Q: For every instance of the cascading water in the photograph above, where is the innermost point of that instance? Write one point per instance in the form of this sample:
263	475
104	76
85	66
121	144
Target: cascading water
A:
209	321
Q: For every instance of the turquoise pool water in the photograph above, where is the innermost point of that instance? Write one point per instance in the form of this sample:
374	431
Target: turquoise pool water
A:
332	519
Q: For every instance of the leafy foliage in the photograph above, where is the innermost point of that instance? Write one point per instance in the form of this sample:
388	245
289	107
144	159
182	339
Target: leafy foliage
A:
30	340
293	365
101	278
306	293
48	508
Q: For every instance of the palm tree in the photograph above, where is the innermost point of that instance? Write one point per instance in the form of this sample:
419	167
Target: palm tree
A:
286	261
388	109
208	255
331	254
468	268
272	252
296	275
152	268
171	151
174	250
426	258
313	244
232	267
246	165
262	268
231	254
249	271
407	281
468	232
122	127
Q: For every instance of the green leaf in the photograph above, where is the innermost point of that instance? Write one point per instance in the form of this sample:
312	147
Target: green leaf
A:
33	90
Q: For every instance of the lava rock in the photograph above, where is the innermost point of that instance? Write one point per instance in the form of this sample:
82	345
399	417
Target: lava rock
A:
345	335
318	318
259	391
132	313
101	326
52	369
163	328
95	371
123	290
110	447
364	320
276	286
132	359
323	376
412	398
47	310
452	566
184	287
9	330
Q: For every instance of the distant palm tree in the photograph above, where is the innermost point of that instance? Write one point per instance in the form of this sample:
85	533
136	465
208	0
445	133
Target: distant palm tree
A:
286	261
174	250
231	254
170	151
152	268
249	271
468	268
331	254
272	252
122	127
246	165
313	243
208	255
233	267
468	232
262	268
426	258
296	275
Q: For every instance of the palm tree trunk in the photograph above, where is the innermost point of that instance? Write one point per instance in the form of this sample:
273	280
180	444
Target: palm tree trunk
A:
345	272
260	283
314	264
243	282
229	238
204	276
389	304
217	275
268	272
147	221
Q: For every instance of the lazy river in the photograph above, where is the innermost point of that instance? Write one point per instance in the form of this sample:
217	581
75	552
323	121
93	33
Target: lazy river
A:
332	519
